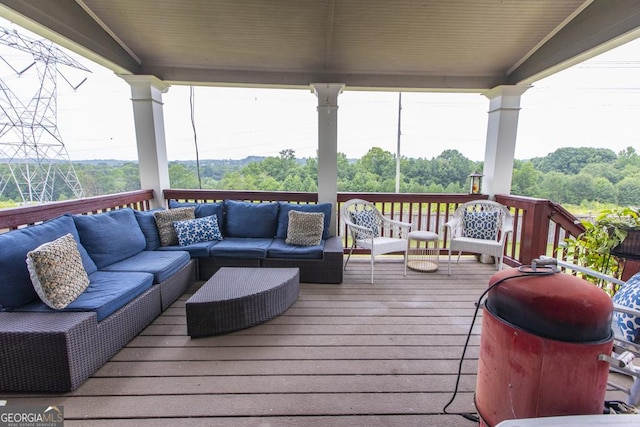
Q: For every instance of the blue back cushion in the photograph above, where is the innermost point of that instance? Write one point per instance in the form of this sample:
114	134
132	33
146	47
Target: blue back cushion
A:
111	236
147	223
283	216
245	219
203	209
15	283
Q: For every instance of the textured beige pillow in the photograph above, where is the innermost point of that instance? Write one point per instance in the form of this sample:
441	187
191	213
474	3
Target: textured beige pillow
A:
305	228
165	219
57	273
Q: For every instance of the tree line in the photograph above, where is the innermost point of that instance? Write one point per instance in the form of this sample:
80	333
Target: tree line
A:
568	175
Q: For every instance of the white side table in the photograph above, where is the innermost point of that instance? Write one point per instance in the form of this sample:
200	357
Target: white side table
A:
423	258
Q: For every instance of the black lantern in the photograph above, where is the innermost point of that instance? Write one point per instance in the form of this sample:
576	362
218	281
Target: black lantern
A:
476	183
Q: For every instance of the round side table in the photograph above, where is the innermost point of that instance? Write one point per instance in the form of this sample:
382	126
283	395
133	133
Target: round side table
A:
423	258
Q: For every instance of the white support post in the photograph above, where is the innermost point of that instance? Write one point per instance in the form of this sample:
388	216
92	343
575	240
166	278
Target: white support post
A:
327	94
502	129
146	96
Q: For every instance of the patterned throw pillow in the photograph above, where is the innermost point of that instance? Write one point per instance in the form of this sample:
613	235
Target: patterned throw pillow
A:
197	230
481	225
165	220
305	228
629	296
56	272
368	219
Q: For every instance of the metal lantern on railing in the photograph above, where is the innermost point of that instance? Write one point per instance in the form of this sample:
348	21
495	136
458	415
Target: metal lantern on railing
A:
476	183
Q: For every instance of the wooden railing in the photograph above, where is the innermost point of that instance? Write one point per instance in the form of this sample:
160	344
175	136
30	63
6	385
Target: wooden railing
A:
540	225
13	218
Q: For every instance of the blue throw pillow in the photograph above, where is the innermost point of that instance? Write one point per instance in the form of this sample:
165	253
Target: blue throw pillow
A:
368	219
629	296
246	219
110	236
283	217
197	230
481	225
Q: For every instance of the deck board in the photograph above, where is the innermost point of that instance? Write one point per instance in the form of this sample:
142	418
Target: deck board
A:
354	354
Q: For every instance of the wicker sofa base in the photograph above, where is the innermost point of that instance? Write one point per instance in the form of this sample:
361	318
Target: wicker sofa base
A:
237	298
56	352
327	270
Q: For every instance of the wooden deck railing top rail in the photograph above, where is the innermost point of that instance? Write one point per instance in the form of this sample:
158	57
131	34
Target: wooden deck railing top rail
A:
13	218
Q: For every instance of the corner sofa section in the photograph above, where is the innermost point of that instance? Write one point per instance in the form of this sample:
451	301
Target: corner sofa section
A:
49	350
254	235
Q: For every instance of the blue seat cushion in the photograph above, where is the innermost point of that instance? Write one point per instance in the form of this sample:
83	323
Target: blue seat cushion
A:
16	288
162	264
108	291
196	250
111	236
283	216
628	296
147	223
279	249
241	247
245	219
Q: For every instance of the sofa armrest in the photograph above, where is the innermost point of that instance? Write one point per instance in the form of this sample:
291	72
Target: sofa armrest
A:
46	351
333	245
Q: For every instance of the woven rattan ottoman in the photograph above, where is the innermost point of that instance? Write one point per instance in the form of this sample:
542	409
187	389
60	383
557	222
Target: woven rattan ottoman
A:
237	298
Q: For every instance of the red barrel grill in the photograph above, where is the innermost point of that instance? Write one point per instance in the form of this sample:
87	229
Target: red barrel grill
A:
539	347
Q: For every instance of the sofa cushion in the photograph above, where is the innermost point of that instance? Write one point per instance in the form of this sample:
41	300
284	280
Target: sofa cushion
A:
108	291
285	208
162	264
110	236
16	288
196	250
197	230
481	225
56	271
279	249
241	247
147	222
305	228
202	209
628	296
245	219
165	220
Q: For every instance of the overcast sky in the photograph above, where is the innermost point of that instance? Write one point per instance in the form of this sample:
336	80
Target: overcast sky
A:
595	104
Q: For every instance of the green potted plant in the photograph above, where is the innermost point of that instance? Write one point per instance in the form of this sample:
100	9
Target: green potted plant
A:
614	234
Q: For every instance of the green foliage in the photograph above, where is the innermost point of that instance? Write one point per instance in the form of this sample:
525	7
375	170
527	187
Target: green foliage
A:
584	177
570	160
593	248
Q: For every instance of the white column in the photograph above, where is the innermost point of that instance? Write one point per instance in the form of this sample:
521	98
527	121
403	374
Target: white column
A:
146	96
502	129
327	94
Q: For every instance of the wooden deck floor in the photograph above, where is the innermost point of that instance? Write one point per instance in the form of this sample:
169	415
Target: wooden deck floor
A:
343	355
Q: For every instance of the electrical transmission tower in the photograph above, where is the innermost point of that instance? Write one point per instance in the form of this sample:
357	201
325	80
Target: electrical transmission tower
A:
34	161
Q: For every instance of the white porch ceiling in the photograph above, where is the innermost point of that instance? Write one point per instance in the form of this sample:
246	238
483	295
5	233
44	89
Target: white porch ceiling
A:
461	45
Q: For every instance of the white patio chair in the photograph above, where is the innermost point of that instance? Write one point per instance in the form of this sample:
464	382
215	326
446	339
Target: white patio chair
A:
370	230
479	227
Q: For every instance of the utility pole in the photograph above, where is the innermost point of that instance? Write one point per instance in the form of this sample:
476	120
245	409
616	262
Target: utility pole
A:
398	147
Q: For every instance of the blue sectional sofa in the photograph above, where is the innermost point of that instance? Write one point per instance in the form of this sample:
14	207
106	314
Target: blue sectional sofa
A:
55	350
131	279
254	235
